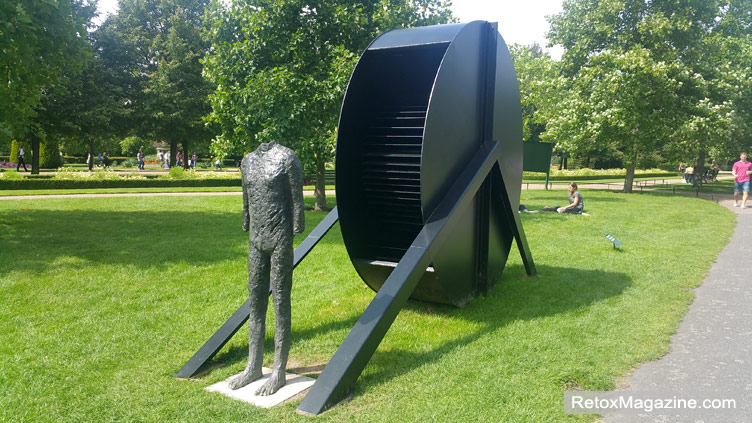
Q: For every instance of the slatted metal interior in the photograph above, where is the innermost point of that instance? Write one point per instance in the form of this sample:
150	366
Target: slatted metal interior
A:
391	179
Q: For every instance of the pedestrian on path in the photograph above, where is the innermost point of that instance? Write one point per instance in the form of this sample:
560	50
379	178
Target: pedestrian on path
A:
21	160
741	171
689	174
140	159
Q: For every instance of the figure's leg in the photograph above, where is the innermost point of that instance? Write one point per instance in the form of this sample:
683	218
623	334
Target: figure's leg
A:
258	286
282	260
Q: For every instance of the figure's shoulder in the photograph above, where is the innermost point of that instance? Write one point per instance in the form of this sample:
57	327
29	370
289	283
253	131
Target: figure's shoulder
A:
287	153
245	162
283	150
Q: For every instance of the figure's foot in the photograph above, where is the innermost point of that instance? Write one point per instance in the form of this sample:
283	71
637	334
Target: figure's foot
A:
276	381
245	378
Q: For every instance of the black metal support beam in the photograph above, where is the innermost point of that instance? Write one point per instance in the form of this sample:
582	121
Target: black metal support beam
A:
233	324
515	226
356	350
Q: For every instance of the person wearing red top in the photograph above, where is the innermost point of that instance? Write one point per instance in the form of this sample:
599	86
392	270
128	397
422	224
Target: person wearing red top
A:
741	171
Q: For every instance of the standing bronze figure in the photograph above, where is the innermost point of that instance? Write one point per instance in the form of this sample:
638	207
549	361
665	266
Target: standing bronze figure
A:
273	212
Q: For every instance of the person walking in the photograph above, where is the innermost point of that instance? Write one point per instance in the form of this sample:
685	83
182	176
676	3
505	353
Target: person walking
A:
194	157
140	158
741	171
21	154
689	175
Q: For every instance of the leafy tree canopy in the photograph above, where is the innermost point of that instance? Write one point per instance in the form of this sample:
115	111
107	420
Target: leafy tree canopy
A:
645	76
281	68
40	42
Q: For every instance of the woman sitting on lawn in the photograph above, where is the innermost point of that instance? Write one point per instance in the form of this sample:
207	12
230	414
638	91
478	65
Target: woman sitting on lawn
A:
576	205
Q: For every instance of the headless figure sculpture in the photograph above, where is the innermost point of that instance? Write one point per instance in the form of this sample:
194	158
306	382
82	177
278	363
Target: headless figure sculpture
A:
273	212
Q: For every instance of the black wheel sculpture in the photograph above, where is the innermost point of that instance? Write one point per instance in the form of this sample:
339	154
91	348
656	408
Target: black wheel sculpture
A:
419	105
429	171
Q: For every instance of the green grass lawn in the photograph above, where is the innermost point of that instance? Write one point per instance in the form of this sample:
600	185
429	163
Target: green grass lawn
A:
104	299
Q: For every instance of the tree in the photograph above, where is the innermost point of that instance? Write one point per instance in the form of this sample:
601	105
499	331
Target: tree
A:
281	68
41	40
82	112
163	47
637	71
627	100
537	77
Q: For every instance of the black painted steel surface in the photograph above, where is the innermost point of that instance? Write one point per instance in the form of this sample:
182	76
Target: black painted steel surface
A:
419	104
429	169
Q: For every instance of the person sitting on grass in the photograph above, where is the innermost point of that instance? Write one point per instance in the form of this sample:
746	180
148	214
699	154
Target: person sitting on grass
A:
576	205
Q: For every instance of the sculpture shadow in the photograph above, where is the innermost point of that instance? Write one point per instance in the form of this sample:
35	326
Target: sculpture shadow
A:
516	298
239	353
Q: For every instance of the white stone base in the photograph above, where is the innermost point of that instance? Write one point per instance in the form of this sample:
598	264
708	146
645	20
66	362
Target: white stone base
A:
295	384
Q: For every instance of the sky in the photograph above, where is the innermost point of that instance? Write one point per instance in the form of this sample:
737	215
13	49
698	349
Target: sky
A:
521	22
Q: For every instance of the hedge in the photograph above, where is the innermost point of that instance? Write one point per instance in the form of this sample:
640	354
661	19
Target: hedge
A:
542	177
46	183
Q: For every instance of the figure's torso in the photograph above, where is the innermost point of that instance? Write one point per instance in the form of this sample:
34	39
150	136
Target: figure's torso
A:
267	185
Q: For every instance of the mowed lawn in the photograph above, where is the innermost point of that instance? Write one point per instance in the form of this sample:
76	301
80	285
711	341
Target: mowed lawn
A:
104	299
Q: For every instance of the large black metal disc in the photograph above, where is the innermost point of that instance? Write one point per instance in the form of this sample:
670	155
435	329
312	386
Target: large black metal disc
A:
419	104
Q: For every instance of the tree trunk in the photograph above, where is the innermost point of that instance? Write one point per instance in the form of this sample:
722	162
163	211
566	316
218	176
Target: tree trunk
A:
173	152
320	187
566	165
186	156
35	150
91	155
699	169
629	179
587	163
561	161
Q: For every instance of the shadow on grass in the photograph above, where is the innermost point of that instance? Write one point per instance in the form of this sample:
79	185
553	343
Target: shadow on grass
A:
517	298
236	354
35	239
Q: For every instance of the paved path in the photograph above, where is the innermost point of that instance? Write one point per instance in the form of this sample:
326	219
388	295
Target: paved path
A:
712	349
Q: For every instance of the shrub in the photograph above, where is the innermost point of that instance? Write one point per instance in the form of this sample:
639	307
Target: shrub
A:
590	174
128	163
49	155
96	181
11	175
14	145
176	172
